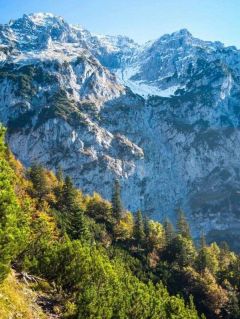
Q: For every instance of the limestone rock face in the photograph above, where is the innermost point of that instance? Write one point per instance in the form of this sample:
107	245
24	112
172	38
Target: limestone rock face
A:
163	117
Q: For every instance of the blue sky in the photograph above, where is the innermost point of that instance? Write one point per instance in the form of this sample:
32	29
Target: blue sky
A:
140	19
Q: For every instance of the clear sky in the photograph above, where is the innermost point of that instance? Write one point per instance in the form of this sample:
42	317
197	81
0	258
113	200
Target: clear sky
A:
142	20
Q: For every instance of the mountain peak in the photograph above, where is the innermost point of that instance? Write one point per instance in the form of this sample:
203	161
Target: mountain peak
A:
35	30
38	19
42	17
182	33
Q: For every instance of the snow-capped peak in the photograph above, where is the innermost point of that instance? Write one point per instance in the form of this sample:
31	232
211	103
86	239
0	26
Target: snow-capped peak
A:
159	67
39	18
42	18
182	33
116	43
36	30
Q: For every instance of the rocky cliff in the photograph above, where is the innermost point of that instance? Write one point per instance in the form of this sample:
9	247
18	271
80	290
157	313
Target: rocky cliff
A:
162	117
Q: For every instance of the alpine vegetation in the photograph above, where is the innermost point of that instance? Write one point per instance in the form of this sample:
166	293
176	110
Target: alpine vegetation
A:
69	255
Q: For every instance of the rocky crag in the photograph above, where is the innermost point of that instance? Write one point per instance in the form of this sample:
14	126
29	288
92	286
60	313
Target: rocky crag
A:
162	117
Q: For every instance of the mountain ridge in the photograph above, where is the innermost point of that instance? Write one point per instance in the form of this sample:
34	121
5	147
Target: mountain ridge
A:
163	118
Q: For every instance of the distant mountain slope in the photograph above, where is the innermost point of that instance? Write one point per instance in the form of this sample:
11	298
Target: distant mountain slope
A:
162	117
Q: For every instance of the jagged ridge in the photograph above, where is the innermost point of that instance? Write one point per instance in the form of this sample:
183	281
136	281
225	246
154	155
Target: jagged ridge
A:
179	147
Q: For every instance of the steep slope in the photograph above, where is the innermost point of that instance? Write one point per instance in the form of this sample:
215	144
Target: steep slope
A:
163	66
64	106
18	300
69	251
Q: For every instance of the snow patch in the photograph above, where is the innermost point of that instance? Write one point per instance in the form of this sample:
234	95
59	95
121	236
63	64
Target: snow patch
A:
142	88
40	18
146	90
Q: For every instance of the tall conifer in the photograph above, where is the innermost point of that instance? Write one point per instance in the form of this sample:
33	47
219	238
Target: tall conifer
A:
182	225
139	233
117	208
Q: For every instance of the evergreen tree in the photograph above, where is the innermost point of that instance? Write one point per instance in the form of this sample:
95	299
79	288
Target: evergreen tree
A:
146	226
67	205
139	233
201	260
58	189
80	228
2	142
59	174
182	225
180	251
39	181
202	241
117	208
207	257
224	256
72	217
69	193
169	231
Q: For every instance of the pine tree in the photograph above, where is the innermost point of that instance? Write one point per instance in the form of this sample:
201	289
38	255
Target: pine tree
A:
169	231
139	233
2	141
182	225
181	251
59	174
224	255
69	193
38	179
80	228
58	189
146	226
202	258
202	241
117	209
68	207
72	217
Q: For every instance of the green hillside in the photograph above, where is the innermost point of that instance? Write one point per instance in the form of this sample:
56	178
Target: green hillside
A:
82	257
